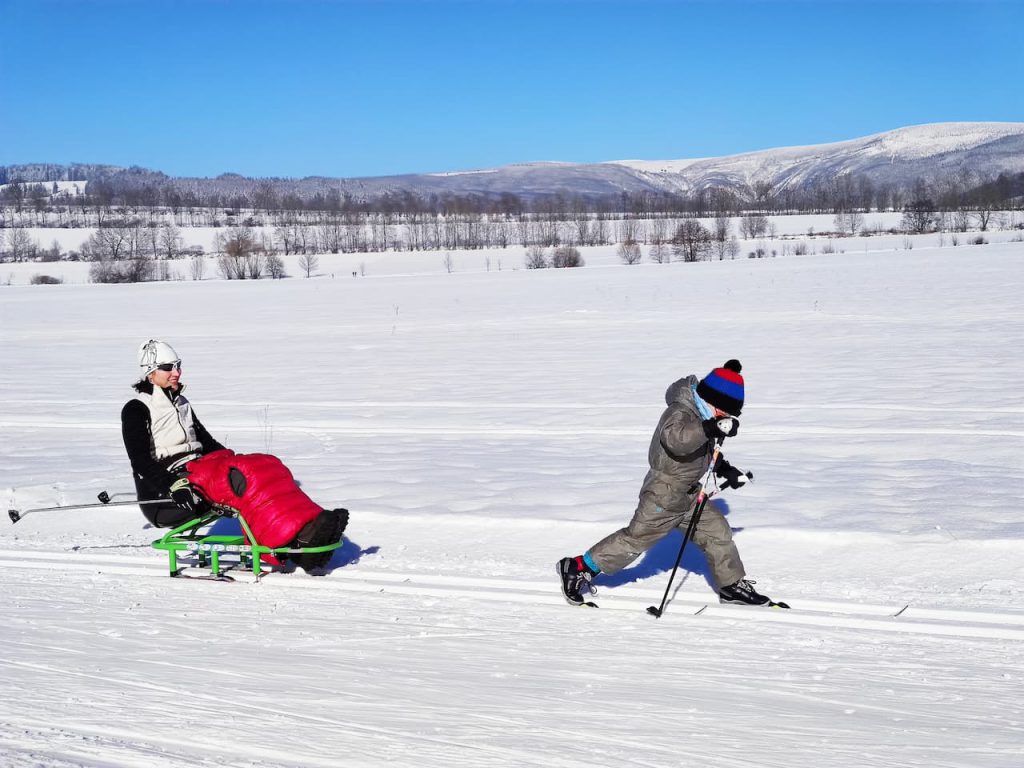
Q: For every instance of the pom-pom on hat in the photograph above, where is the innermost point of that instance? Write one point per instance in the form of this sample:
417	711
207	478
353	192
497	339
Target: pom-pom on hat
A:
723	388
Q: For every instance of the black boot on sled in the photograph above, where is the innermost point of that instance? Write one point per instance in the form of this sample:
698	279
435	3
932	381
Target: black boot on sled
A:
742	592
326	528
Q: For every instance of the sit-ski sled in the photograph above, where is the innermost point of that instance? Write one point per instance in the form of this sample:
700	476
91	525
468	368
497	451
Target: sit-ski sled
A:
191	539
209	549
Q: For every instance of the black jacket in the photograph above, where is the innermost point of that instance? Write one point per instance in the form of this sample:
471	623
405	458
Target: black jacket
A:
152	478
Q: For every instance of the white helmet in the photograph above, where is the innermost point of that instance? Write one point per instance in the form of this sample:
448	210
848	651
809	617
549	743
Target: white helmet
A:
153	353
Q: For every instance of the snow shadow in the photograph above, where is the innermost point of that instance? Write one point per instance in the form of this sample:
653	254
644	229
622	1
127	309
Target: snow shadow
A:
662	556
349	553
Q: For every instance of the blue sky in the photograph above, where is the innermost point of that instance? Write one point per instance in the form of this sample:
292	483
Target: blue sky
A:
362	88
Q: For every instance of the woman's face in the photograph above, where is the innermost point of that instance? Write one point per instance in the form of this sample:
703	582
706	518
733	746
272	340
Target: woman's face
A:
166	378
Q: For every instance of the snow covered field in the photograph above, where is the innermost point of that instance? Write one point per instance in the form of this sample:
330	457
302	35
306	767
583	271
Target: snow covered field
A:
480	425
791	235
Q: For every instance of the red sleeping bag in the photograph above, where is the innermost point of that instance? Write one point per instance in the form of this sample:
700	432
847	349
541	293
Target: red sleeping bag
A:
260	488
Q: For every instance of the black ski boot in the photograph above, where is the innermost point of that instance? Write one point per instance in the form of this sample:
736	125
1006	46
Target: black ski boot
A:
326	528
743	593
575	580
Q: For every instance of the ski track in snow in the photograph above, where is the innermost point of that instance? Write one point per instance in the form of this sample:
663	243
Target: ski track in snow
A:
836	614
165	647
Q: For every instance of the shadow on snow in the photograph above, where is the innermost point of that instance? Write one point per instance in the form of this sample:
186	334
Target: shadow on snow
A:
662	556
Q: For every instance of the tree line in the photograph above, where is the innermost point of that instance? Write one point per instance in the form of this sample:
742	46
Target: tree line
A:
27	204
134	238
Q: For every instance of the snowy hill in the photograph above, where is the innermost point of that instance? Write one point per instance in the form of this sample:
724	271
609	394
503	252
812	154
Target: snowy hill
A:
968	152
481	425
893	158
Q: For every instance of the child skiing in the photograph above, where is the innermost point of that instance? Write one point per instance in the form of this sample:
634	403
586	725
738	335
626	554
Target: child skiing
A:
699	414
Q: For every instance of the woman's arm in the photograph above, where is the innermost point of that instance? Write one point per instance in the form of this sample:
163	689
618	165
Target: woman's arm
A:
135	431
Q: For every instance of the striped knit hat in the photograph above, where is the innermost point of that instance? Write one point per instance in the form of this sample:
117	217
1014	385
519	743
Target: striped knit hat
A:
723	388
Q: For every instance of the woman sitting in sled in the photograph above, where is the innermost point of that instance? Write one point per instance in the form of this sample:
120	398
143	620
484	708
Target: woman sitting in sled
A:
173	457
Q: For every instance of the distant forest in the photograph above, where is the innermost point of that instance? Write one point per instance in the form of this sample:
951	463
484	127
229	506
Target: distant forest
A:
140	224
138	189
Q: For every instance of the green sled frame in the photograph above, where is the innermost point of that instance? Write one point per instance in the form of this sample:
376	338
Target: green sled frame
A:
189	538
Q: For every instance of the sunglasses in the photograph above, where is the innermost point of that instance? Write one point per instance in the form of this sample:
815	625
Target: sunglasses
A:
168	367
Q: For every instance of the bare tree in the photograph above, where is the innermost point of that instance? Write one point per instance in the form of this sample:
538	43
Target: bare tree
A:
330	236
919	217
566	256
692	241
238	241
660	253
848	222
628	229
53	253
275	266
19	245
720	234
285	237
659	231
309	263
629	253
254	264
732	249
107	270
238	259
151	239
170	242
449	263
535	257
854	222
753	227
112	243
197	267
984	217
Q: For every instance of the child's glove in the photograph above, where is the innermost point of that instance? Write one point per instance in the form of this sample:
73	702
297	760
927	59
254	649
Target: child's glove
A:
733	477
721	427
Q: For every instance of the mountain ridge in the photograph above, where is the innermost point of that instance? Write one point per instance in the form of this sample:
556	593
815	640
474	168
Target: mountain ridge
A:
971	151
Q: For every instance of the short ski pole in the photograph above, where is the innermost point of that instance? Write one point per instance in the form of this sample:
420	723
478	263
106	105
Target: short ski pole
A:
17	515
702	500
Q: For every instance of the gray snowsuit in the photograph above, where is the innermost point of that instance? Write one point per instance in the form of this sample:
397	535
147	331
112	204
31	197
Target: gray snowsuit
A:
679	455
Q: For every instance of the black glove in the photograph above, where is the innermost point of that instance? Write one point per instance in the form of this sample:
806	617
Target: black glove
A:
721	427
733	477
187	498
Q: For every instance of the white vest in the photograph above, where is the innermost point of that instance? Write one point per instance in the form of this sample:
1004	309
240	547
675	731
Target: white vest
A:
172	431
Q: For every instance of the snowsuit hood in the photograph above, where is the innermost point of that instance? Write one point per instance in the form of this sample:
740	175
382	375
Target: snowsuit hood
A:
681	391
680	452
